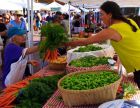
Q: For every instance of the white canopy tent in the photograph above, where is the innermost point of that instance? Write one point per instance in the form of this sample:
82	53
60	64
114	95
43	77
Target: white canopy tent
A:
54	5
8	5
84	9
22	3
72	8
39	6
19	5
87	3
97	3
128	3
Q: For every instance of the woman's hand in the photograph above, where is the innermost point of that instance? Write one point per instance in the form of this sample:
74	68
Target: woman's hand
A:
33	62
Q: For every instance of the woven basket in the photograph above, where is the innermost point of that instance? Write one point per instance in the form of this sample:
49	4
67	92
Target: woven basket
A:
71	69
92	96
57	66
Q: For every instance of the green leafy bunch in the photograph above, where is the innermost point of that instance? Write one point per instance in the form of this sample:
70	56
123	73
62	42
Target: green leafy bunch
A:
37	92
89	61
88	48
55	37
86	81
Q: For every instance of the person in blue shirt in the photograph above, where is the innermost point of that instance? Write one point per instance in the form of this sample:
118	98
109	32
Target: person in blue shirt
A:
18	22
13	50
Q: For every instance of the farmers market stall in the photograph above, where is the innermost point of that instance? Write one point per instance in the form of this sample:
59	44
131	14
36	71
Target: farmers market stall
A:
55	101
91	82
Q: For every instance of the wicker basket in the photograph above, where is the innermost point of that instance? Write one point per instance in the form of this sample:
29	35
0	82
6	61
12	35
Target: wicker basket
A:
57	66
71	69
92	96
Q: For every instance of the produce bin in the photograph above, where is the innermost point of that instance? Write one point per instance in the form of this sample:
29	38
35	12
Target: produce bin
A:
107	51
71	69
92	96
57	66
84	65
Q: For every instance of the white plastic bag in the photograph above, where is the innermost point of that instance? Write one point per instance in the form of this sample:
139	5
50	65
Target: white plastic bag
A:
1	48
17	70
1	44
112	104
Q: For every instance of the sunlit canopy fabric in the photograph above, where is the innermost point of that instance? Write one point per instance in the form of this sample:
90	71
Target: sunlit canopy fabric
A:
19	5
97	3
6	5
39	6
72	8
54	5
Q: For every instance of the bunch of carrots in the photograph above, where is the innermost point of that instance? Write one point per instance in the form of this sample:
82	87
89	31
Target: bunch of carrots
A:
9	94
55	36
51	55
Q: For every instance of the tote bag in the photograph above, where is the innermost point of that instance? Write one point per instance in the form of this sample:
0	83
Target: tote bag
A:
1	48
17	70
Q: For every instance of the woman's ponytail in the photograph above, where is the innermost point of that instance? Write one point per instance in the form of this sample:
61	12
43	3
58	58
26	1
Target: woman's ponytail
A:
134	29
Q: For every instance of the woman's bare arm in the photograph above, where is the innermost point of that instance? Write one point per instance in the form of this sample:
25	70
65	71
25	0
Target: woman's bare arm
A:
32	50
99	37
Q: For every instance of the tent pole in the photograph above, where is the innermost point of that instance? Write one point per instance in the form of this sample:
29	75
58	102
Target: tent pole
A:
29	37
139	12
69	20
31	23
84	14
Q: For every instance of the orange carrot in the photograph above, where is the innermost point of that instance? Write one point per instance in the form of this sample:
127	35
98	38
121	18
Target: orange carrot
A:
51	55
8	95
7	100
9	106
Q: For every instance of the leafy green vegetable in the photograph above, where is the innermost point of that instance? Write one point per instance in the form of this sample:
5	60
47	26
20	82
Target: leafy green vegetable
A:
88	81
89	61
37	92
129	88
88	48
55	36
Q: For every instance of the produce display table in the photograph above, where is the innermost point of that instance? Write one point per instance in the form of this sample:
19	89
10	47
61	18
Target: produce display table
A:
7	95
56	102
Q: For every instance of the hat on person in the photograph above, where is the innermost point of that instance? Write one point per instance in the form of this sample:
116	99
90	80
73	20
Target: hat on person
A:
12	31
58	13
18	13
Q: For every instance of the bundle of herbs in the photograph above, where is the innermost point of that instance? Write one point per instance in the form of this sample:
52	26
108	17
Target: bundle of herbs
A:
88	48
86	81
37	92
55	36
89	61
